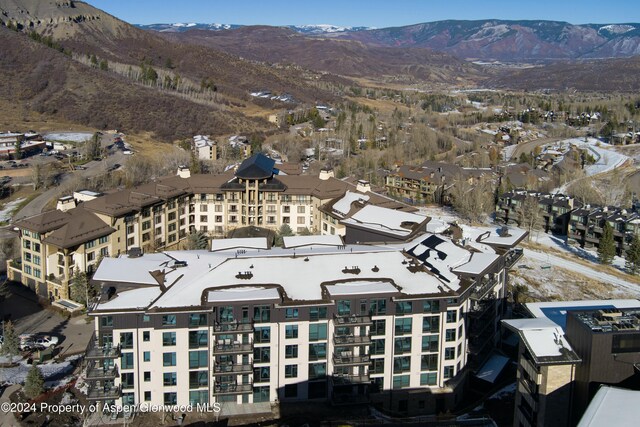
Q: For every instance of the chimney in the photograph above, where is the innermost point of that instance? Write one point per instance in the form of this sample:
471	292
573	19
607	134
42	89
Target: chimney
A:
66	203
363	186
325	174
184	172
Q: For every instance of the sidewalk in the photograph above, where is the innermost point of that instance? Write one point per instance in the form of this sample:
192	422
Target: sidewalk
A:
6	418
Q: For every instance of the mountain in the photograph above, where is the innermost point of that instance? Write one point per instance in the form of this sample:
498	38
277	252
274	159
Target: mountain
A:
510	41
327	55
302	29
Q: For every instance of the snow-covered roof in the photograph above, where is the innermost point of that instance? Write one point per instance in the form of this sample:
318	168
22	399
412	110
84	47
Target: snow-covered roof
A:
439	254
131	299
130	270
243	293
478	263
556	311
512	238
384	219
612	406
360	287
544	339
322	240
239	243
343	206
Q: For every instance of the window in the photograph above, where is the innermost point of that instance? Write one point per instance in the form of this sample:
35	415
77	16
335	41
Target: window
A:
261	375
317	331
300	209
171	216
36	259
429	362
317	370
291	313
147	376
104	252
226	314
301	220
430	343
27	269
261	394
203	218
90	244
171	398
262	335
400	381
127	380
317	313
126	361
169	378
126	340
203	208
106	321
197	320
169	320
147	396
450	335
452	316
401	364
103	240
198	339
169	359
344	307
197	359
448	372
431	324
146	356
402	345
291	390
198	397
286	209
449	353
291	331
429	378
198	379
261	354
291	351
291	371
146	225
146	336
377	346
317	351
404	307
377	366
261	313
378	327
431	306
168	339
378	306
91	256
403	326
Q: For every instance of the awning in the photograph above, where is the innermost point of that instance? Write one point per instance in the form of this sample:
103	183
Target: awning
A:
492	368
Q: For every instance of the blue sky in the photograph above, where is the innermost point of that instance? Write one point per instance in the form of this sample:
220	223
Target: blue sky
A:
372	13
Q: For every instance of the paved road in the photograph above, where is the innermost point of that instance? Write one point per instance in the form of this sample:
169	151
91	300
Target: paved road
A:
527	147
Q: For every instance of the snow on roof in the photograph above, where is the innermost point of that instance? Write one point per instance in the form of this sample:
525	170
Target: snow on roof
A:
134	298
477	264
239	243
439	255
612	406
557	311
513	236
544	339
437	226
544	342
89	193
323	240
360	287
343	206
384	219
243	293
492	368
130	270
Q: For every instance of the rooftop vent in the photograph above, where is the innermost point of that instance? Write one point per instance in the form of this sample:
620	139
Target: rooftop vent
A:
178	264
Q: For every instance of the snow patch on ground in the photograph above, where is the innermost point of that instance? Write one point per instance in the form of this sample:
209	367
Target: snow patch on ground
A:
69	136
56	372
6	214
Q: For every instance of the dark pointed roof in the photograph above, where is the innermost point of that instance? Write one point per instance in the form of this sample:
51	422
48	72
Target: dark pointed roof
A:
44	222
82	227
257	166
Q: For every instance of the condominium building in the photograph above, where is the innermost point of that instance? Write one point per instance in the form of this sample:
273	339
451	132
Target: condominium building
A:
587	223
554	209
399	325
162	213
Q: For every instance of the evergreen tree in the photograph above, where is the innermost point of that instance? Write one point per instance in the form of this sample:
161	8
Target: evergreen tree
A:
79	287
197	240
11	344
34	383
607	247
633	255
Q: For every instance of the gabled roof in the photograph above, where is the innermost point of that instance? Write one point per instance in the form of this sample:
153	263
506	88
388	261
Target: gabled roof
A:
257	166
44	222
82	227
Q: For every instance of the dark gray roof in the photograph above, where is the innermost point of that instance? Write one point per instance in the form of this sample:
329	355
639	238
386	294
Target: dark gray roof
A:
257	166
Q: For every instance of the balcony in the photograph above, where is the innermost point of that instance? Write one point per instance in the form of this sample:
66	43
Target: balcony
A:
228	347
232	368
101	373
232	388
346	358
102	352
482	289
103	393
232	327
345	379
513	256
352	320
346	340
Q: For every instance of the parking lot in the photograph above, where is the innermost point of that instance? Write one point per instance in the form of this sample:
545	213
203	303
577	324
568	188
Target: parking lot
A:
20	305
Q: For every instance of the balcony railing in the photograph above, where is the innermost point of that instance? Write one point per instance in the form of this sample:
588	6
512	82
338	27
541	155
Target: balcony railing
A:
483	288
104	393
513	256
346	358
96	351
229	368
232	388
351	340
101	373
352	320
343	379
231	348
230	327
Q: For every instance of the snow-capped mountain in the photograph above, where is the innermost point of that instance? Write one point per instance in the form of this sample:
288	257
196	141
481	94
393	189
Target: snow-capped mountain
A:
303	29
325	28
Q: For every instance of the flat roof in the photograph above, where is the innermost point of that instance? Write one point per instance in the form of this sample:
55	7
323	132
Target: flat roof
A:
512	238
360	287
612	406
131	299
383	219
239	243
478	263
557	311
243	293
492	368
317	240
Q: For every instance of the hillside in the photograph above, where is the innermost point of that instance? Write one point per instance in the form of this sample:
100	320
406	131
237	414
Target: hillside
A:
347	58
510	41
44	80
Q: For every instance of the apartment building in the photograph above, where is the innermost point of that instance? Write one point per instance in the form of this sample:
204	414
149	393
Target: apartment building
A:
555	209
586	226
161	214
567	350
397	325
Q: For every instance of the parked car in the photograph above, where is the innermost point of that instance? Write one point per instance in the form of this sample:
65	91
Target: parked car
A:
80	168
46	341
